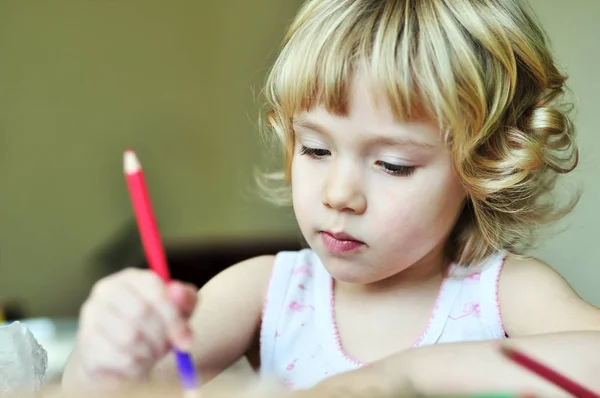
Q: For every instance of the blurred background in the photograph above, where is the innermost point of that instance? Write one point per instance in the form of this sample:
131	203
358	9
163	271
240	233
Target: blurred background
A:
179	81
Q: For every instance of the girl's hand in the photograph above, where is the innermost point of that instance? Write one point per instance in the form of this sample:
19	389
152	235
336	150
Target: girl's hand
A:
369	382
129	322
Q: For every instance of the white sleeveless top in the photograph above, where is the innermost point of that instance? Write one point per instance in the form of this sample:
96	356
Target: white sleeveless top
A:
299	341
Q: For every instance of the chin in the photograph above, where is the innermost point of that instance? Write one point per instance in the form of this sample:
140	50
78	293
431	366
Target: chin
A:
348	271
354	278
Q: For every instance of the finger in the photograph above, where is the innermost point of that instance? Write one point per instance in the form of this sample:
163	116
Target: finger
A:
108	361
104	323
145	340
120	318
184	296
142	323
152	290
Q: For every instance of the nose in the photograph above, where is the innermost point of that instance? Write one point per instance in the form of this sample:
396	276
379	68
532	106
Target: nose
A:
343	191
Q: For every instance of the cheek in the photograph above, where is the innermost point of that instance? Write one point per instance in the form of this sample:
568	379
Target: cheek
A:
397	211
420	208
305	188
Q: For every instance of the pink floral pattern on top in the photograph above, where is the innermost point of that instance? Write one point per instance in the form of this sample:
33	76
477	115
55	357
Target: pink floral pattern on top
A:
469	309
474	277
298	307
302	270
300	341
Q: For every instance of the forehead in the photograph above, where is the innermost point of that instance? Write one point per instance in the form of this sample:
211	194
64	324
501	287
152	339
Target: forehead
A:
369	115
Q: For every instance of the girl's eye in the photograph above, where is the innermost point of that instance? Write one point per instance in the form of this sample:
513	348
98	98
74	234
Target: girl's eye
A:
314	152
396	169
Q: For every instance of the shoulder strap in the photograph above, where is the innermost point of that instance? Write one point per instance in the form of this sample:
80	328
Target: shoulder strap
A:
489	293
286	269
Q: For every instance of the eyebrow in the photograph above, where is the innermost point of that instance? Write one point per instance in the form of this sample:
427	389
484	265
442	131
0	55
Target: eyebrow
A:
377	140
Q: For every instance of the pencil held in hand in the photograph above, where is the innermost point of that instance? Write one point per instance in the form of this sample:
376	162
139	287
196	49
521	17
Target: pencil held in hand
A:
153	248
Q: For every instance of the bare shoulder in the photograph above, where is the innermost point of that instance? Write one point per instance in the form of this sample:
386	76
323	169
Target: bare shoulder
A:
519	269
536	299
238	291
250	275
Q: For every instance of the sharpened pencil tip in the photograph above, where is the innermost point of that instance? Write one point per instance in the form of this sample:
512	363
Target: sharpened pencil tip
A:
131	163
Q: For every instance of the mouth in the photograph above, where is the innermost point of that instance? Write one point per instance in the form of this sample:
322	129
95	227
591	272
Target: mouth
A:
341	236
340	242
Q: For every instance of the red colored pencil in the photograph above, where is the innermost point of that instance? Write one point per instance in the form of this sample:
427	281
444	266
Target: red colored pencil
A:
144	214
153	248
548	374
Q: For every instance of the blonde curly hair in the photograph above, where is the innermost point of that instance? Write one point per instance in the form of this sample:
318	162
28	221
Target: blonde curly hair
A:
481	69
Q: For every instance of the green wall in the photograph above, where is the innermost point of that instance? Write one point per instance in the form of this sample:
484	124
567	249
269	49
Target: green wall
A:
80	80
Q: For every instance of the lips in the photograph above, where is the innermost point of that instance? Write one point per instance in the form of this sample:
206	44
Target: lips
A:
341	236
340	243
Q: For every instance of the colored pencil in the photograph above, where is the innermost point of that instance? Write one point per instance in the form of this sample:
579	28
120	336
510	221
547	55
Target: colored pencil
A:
548	374
153	248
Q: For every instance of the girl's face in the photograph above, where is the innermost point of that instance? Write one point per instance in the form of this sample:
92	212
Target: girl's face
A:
372	196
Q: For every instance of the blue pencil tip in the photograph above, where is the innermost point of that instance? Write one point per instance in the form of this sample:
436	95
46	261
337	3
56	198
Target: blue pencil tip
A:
187	370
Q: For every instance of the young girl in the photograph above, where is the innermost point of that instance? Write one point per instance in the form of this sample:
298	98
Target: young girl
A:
421	139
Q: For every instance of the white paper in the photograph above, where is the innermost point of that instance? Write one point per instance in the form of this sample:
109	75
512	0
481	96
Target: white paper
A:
23	361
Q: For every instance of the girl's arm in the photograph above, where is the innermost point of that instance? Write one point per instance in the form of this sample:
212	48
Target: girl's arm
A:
543	316
227	318
475	368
